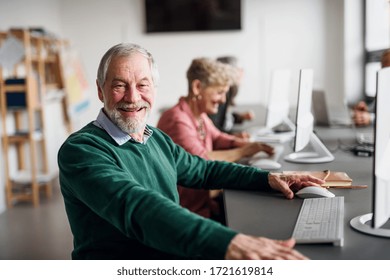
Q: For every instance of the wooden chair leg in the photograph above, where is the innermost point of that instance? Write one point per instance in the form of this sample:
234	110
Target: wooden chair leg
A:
35	194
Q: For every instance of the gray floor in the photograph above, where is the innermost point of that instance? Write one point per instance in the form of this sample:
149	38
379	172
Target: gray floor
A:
41	233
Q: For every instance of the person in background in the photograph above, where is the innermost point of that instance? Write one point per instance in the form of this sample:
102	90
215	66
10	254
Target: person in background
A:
189	126
118	178
226	117
362	112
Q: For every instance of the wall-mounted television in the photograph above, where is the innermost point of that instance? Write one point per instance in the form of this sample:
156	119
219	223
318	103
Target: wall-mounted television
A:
192	15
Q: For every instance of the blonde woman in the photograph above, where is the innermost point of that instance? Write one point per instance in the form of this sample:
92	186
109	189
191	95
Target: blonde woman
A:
188	124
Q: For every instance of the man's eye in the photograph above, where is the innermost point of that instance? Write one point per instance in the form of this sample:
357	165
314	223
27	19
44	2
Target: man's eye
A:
144	85
119	87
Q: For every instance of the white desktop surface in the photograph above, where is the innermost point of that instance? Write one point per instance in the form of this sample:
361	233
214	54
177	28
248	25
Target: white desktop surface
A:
273	216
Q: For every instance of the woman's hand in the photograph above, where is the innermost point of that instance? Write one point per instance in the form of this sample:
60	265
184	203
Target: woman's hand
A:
252	148
243	135
361	118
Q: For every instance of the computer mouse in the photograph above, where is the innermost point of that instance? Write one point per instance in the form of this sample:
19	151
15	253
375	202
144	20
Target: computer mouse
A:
267	164
314	192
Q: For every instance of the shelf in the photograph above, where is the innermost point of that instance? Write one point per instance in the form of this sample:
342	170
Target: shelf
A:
14	88
23	136
23	95
25	177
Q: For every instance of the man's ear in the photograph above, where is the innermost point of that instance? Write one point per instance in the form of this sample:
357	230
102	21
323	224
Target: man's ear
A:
100	92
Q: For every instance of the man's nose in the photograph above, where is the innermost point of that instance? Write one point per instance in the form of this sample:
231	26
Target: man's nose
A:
131	95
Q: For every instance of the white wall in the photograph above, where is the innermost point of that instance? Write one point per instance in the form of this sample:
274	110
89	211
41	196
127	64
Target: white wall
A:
353	50
290	34
26	13
275	34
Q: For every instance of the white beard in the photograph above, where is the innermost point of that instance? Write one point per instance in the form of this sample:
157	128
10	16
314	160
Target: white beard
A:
129	125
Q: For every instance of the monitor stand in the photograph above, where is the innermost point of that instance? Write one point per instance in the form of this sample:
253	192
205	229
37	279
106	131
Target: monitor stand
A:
318	153
361	223
285	126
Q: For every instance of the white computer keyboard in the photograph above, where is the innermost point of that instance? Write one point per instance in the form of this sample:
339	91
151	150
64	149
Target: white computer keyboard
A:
320	220
266	135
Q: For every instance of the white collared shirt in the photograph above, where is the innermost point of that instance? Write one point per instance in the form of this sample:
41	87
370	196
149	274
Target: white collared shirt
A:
117	134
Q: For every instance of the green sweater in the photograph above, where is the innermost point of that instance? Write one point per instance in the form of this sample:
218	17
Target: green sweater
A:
122	201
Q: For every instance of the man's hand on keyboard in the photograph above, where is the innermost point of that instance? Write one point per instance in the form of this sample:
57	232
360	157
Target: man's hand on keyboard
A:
288	184
245	247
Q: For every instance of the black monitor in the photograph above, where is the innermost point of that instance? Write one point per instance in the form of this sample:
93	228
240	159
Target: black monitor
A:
375	223
308	148
192	15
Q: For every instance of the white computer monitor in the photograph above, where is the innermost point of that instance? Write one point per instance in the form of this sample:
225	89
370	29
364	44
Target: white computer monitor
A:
308	148
279	99
373	223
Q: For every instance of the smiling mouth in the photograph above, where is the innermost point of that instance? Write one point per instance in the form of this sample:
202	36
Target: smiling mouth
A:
132	109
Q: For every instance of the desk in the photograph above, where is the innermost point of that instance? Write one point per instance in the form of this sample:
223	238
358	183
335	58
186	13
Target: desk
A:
273	216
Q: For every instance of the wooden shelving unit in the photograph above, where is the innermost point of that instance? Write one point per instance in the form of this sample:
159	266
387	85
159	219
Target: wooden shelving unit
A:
22	95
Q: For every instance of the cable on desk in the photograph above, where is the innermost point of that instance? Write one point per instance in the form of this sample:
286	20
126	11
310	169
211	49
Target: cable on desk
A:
357	149
330	150
344	147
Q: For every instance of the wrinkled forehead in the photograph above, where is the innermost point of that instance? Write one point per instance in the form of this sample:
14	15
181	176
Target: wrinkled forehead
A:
135	64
